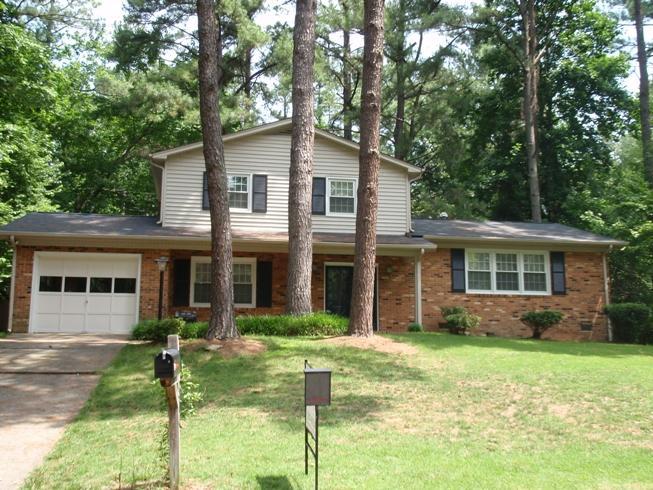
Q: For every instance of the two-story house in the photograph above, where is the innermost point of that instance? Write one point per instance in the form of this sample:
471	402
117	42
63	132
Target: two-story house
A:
97	273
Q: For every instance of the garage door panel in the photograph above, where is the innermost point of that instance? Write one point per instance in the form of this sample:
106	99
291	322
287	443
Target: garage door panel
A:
48	322
49	304
99	305
122	304
72	323
83	304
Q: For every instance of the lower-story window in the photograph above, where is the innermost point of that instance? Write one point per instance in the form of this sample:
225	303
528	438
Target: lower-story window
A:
244	274
507	272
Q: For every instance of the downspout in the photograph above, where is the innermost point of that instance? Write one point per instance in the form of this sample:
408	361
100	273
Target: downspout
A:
12	285
606	286
418	287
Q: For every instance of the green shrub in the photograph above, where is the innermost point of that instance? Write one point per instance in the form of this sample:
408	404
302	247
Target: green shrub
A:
631	322
540	321
195	330
459	320
157	330
415	327
313	324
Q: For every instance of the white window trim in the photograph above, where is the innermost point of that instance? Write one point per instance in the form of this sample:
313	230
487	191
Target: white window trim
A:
249	193
520	270
328	195
236	260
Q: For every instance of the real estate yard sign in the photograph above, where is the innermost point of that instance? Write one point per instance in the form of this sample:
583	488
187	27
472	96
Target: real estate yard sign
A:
317	391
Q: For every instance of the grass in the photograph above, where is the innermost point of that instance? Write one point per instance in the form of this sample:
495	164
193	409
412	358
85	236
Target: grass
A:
463	412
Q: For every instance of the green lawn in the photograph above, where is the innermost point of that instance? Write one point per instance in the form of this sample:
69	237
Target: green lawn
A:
463	412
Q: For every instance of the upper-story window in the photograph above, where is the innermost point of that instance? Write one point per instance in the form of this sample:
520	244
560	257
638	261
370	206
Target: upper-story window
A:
507	272
240	192
341	196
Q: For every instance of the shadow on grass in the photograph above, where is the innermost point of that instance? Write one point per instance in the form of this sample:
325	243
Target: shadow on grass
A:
272	382
274	482
441	341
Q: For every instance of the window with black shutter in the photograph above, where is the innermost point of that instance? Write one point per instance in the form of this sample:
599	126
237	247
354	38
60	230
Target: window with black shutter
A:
260	196
319	195
458	270
263	284
558	281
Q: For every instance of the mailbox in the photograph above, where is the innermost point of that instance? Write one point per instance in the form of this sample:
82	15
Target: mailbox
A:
317	386
167	364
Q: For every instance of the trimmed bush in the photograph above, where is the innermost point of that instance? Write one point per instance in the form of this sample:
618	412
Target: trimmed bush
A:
157	330
313	324
415	327
540	321
631	322
459	320
195	330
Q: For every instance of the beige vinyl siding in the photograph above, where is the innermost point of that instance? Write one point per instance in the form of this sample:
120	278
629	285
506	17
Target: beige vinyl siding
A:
270	155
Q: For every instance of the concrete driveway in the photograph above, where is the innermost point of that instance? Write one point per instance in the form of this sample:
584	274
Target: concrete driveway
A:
44	381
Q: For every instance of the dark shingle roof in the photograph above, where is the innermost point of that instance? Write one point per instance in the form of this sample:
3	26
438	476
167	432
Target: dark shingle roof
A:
508	231
99	225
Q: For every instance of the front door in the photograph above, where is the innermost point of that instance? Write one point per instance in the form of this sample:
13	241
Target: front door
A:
338	291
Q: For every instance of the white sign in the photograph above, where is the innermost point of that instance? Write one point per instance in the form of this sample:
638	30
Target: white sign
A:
311	420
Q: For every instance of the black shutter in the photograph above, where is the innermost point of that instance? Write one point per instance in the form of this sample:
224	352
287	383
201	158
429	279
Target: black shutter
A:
458	270
260	195
205	193
558	282
263	284
180	282
319	195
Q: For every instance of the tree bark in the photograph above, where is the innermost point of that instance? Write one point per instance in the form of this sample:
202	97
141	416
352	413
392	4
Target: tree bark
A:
400	92
300	240
347	96
531	85
222	324
644	103
360	321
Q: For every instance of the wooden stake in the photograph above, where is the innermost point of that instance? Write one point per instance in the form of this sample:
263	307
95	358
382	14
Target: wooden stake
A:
172	396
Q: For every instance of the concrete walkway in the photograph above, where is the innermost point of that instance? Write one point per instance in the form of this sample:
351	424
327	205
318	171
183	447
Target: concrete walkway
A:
44	381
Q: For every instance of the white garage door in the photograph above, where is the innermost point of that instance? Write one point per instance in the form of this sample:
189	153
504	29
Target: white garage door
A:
84	292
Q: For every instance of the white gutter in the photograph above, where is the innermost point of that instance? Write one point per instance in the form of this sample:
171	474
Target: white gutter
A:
12	285
526	241
606	285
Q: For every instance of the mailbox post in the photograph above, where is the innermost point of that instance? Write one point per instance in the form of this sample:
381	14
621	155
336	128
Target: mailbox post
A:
317	392
167	368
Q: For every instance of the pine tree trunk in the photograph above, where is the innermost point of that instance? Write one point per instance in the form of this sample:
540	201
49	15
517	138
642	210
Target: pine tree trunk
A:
531	84
222	324
300	240
644	107
400	91
360	321
347	96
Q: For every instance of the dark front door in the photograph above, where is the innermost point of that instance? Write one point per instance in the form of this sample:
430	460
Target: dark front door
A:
338	291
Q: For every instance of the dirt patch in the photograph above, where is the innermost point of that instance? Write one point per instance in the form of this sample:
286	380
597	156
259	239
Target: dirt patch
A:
377	343
228	348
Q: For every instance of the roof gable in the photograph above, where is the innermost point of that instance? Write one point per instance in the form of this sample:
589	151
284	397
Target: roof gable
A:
280	127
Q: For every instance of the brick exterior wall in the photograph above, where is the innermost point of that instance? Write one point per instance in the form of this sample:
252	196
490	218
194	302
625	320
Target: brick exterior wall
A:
500	313
396	284
583	302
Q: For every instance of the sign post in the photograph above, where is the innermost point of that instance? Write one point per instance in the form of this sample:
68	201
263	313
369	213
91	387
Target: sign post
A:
317	392
167	367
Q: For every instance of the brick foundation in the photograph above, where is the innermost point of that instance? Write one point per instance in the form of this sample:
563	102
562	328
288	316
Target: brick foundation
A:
500	313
